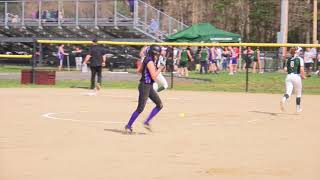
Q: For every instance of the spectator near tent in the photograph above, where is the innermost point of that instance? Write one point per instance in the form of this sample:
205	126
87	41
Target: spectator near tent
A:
256	61
203	56
308	61
233	60
184	56
169	57
225	58
248	57
176	52
213	68
218	51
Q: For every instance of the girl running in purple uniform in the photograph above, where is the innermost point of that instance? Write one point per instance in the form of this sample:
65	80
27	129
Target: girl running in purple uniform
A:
149	73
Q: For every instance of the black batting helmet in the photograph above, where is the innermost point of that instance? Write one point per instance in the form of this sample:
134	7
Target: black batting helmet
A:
154	50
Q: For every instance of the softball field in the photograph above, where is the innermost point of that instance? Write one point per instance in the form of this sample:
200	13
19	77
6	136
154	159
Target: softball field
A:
67	134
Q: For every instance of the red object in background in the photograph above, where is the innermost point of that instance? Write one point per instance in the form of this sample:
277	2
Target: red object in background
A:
26	76
43	77
46	77
238	52
138	63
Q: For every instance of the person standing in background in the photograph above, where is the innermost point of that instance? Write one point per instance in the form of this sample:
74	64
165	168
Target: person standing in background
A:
203	55
225	58
213	67
161	83
233	61
131	6
308	61
219	58
318	64
248	56
176	52
184	56
78	57
97	57
60	56
256	61
314	57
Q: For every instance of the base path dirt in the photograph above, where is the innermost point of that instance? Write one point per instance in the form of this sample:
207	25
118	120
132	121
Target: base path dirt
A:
70	134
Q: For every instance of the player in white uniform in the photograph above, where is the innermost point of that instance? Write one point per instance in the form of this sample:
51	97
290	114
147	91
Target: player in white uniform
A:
161	82
295	69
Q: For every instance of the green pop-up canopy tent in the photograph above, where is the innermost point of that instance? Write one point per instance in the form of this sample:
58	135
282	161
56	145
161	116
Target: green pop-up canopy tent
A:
203	32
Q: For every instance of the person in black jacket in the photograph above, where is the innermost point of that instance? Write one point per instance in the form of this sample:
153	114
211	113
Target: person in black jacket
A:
97	57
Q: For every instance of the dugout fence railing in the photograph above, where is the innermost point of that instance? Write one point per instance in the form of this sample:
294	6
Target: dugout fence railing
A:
275	65
271	59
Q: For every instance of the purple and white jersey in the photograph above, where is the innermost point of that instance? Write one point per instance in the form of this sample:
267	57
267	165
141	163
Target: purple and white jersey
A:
60	55
233	54
146	76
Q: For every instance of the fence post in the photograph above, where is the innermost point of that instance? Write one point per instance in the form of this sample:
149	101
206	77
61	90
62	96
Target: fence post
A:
34	61
68	62
240	55
40	54
247	76
172	69
264	61
126	59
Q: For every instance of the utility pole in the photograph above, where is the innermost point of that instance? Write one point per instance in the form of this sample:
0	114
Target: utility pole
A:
308	31
284	25
315	22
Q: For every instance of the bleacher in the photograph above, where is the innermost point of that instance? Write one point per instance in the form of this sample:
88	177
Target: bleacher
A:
22	21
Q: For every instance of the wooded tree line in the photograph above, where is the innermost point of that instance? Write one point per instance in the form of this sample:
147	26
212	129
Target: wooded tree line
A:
255	20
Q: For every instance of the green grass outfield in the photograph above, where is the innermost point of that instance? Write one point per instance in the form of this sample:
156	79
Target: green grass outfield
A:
258	83
18	68
12	68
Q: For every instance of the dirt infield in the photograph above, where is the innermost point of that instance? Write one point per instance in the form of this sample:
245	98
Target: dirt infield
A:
65	134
